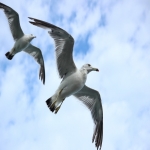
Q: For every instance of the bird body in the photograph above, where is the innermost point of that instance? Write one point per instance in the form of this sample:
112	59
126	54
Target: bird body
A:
21	44
69	85
73	79
73	83
22	41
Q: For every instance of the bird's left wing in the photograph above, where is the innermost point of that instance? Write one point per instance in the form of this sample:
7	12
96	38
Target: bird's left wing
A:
13	20
37	54
91	98
63	47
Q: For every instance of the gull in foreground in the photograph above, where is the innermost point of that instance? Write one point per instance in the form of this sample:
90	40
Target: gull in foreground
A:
73	79
22	41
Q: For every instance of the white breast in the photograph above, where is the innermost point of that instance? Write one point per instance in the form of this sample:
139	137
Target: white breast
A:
73	83
21	44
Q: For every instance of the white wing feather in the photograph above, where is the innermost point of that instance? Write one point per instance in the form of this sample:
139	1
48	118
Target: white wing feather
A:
63	47
13	20
91	98
37	54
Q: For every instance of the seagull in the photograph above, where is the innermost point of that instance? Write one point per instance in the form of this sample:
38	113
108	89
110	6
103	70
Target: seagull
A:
22	41
73	79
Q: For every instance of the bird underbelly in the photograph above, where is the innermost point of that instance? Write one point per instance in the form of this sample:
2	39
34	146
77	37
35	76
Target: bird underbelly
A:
71	88
20	45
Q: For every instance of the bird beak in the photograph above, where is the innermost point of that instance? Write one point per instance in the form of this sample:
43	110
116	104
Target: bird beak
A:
95	69
34	37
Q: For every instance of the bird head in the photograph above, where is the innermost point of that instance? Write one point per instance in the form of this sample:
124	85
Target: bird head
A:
89	68
30	37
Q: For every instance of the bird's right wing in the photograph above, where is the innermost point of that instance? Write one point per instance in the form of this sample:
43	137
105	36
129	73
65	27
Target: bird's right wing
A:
37	54
63	47
91	98
13	20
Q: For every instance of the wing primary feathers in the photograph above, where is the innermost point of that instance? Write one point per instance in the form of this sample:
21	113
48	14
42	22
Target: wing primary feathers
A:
37	55
13	21
42	74
91	98
64	43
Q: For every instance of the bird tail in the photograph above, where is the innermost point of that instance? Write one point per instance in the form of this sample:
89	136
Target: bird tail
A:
51	104
54	103
9	55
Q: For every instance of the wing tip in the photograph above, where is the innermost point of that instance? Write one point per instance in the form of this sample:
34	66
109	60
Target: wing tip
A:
31	18
3	6
42	74
98	135
32	22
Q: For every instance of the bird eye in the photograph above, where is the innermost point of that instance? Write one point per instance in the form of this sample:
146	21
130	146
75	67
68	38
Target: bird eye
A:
89	65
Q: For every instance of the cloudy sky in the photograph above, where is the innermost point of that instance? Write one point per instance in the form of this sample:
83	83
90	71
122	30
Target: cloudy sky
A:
112	35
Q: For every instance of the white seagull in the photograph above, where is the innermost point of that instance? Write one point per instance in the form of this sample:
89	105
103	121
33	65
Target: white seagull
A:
22	41
73	79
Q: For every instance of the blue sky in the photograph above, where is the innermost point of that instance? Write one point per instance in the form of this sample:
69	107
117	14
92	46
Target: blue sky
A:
112	36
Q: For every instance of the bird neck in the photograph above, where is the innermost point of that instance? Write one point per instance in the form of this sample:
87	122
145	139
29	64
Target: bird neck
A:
83	71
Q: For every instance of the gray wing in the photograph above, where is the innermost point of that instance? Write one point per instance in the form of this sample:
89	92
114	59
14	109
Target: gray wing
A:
63	46
13	20
37	54
91	98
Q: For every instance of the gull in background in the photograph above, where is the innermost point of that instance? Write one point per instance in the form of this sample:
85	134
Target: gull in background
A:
73	79
22	41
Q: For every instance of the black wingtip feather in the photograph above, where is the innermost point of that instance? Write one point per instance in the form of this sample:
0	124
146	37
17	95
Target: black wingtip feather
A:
31	18
3	6
9	56
44	24
32	22
98	135
42	74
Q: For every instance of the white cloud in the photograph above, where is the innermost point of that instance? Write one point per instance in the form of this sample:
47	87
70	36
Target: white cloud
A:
119	48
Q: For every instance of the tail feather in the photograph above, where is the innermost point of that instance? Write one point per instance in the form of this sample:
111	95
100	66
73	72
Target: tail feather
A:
50	105
9	56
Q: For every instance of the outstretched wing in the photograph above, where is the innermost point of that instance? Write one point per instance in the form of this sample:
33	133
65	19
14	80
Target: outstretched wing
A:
37	54
13	20
63	47
91	98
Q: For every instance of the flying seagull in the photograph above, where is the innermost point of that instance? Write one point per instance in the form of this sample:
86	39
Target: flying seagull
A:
73	79
22	41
